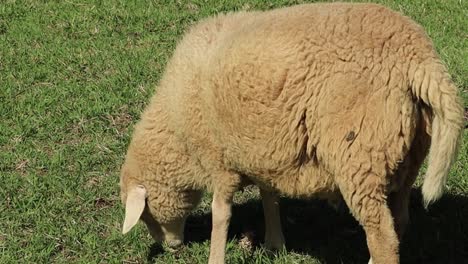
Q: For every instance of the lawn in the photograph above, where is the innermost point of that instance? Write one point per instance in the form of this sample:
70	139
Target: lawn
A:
74	78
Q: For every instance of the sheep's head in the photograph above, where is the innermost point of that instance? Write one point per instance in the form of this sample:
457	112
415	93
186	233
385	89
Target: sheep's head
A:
163	208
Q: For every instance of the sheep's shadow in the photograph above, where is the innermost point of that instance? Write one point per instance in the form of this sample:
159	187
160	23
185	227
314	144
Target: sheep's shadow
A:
311	227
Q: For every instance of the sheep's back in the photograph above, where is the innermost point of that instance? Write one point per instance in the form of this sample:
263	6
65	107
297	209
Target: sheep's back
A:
295	87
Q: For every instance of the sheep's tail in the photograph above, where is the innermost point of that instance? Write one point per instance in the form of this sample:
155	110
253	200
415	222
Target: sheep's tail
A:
432	84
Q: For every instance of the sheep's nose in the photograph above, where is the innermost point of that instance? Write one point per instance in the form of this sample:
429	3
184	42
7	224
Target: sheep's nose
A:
174	243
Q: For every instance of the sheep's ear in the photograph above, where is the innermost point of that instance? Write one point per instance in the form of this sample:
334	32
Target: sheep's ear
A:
134	207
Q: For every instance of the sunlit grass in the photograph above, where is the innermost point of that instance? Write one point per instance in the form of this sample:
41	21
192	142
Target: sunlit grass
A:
74	77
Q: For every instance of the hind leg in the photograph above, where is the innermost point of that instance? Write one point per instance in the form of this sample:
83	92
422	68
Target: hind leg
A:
406	174
365	195
399	200
382	239
399	203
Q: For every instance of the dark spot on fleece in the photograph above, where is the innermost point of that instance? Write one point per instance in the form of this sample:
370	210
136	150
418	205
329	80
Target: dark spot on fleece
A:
351	136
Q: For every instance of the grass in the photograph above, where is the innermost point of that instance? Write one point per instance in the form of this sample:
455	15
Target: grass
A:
74	77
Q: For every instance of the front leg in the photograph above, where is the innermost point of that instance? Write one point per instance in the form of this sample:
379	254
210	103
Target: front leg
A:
221	211
274	239
224	188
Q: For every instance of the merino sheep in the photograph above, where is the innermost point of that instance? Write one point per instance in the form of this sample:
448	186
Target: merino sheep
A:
312	100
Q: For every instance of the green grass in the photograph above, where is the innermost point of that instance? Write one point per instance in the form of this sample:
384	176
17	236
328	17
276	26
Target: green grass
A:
74	77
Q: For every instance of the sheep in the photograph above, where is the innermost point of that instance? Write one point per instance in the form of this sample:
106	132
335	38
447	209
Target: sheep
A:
314	100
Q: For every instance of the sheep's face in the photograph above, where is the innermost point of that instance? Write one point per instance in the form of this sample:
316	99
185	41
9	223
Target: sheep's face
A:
162	208
165	217
166	211
171	232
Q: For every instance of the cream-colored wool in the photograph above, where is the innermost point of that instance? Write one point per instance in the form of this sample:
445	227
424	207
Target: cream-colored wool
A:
308	101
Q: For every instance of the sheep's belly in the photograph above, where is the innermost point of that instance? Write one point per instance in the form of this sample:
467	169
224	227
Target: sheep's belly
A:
285	176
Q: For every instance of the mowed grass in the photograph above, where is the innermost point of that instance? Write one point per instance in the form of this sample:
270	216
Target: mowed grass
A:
74	77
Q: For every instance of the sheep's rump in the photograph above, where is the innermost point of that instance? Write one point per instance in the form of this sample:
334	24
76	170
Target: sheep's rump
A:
322	87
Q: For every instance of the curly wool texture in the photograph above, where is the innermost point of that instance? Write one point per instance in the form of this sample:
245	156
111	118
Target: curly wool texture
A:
307	100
